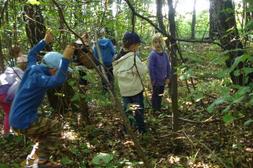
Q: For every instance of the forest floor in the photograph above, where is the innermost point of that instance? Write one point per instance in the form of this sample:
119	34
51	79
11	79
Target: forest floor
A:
202	141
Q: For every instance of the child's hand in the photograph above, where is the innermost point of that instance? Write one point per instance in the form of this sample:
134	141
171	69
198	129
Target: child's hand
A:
167	81
69	51
49	36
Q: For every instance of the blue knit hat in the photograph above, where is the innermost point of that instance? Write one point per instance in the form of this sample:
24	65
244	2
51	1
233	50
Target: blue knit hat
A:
52	60
131	38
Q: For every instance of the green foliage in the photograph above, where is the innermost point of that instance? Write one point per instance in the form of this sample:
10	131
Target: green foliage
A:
33	2
3	165
66	161
227	118
248	122
102	160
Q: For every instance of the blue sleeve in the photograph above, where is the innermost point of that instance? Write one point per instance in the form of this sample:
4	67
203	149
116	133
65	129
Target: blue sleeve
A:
168	66
112	48
32	55
59	78
151	67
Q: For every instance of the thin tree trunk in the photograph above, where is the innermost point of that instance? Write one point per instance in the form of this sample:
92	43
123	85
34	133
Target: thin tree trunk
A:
1	57
193	20
212	28
35	28
159	15
172	42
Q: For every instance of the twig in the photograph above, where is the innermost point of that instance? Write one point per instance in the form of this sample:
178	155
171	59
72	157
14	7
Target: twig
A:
25	15
195	122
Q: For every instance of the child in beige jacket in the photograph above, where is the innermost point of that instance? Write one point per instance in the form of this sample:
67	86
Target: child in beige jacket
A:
129	70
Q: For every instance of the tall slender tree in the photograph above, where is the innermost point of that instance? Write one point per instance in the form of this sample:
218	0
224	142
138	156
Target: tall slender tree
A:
159	15
193	26
1	57
172	42
212	26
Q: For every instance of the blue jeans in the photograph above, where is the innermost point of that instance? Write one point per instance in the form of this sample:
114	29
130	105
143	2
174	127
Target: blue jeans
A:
139	112
157	97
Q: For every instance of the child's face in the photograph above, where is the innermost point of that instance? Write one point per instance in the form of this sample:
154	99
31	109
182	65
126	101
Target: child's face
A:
22	65
20	54
52	71
157	44
134	47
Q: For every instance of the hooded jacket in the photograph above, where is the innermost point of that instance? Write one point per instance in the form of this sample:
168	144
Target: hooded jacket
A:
129	70
159	68
33	86
105	47
9	82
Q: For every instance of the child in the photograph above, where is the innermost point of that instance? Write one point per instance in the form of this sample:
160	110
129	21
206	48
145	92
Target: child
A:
9	82
159	71
129	70
38	78
105	49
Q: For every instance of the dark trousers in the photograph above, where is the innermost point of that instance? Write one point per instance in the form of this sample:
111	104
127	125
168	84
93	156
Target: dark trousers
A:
137	108
108	70
157	95
82	76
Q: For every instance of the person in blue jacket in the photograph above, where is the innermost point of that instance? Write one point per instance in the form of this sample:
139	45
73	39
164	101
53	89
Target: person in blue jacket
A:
104	53
37	79
159	71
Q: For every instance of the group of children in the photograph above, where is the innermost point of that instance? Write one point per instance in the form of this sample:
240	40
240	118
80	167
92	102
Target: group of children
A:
52	71
129	71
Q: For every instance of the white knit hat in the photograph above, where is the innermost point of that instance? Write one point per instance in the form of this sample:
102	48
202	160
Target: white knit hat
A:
22	59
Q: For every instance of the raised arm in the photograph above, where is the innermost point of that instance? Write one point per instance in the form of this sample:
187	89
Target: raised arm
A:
61	75
32	55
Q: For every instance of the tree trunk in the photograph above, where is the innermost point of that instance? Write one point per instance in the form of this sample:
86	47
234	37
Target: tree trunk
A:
35	28
193	20
228	34
172	42
159	15
1	57
212	27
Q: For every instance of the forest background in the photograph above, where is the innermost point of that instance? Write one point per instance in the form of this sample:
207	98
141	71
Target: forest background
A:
207	114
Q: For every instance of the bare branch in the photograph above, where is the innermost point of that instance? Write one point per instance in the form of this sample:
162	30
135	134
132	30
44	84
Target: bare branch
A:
165	33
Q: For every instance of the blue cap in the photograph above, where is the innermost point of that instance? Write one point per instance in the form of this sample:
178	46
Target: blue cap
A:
131	38
52	59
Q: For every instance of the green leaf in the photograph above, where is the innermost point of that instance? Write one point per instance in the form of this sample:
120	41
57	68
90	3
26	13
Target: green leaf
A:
66	161
33	2
248	122
228	118
215	103
76	98
3	165
102	159
242	58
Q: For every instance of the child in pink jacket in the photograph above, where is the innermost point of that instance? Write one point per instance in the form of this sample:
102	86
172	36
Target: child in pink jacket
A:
9	82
